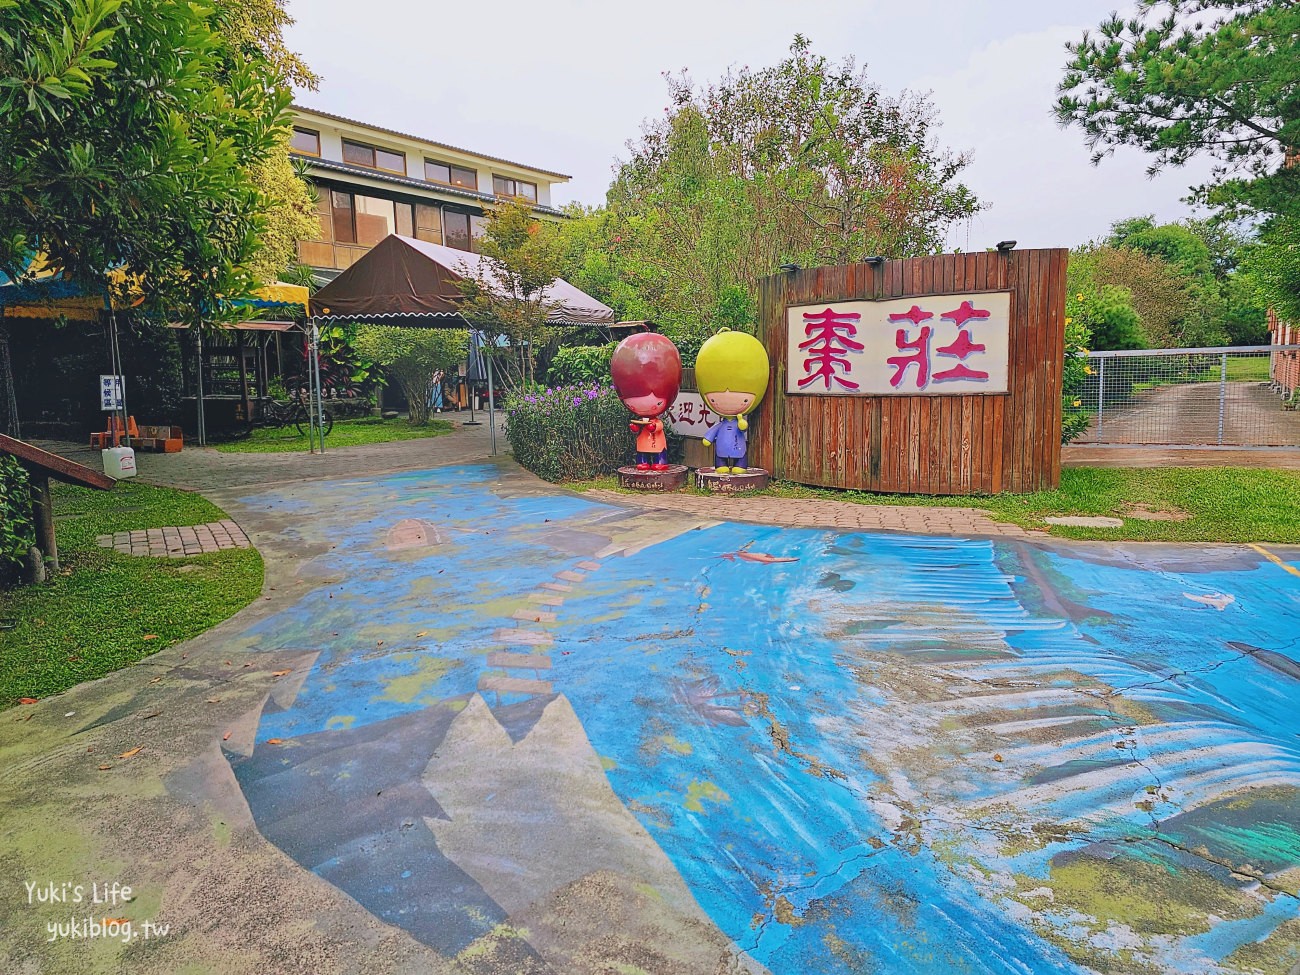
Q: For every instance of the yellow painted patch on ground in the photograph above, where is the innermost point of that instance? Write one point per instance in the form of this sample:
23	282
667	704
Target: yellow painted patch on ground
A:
697	793
1147	897
343	721
417	686
676	745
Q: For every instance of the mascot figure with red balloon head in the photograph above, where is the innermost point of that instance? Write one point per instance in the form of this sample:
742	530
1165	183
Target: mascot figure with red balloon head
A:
647	374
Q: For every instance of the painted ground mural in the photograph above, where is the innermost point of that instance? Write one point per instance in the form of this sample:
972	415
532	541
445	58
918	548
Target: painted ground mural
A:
780	750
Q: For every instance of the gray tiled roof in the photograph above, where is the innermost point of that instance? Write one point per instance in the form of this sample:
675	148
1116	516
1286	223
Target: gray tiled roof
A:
419	138
317	162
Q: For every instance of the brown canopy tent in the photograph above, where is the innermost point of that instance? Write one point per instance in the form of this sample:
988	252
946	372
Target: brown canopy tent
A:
404	281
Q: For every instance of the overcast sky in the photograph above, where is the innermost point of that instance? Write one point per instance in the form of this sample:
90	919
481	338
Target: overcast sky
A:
564	85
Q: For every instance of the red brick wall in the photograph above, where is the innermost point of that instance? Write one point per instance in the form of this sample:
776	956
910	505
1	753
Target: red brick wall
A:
1286	365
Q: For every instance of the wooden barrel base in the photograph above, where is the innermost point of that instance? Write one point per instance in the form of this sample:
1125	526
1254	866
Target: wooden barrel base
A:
755	478
669	480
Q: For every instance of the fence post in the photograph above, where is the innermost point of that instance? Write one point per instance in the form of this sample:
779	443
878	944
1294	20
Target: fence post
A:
1101	393
1223	390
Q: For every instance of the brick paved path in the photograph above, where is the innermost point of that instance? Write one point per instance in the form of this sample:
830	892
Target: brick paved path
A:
176	543
809	513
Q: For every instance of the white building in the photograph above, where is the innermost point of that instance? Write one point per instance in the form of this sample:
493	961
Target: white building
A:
373	182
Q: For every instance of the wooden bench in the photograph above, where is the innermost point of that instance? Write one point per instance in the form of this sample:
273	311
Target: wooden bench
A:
162	439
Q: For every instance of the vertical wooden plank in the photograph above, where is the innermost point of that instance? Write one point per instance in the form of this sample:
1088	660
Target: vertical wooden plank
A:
1042	463
945	478
896	445
1027	411
1037	454
918	413
987	279
1056	325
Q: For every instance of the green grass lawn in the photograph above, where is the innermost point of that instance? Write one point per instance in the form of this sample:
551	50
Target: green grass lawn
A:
346	433
1225	504
107	610
1241	368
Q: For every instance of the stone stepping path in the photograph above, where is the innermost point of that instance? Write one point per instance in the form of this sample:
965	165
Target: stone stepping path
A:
179	542
528	643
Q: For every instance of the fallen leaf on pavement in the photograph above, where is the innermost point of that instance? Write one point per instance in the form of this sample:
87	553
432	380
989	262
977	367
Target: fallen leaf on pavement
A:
105	768
213	700
422	633
151	714
280	673
155	680
997	758
275	741
226	736
133	751
28	700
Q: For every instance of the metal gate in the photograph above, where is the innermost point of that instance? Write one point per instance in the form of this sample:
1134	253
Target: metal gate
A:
1229	397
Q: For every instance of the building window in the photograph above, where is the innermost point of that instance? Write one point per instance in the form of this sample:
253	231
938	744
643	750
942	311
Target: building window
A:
306	141
439	172
344	231
375	219
477	231
405	220
455	229
359	154
503	186
428	223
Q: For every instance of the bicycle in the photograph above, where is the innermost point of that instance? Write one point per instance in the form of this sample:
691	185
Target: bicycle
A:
273	413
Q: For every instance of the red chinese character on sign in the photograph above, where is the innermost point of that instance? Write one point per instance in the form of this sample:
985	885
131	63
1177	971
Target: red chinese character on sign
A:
964	313
963	346
920	358
830	340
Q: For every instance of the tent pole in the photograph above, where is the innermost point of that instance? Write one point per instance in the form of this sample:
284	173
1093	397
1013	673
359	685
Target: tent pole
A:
198	402
115	358
311	388
492	404
320	393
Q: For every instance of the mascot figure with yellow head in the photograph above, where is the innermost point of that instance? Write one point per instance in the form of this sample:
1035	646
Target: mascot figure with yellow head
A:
731	375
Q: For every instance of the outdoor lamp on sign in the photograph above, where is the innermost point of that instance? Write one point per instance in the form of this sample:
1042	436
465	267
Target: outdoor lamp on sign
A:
1005	246
790	267
875	260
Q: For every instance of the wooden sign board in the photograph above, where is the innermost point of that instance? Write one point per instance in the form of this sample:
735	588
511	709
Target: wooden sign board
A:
894	429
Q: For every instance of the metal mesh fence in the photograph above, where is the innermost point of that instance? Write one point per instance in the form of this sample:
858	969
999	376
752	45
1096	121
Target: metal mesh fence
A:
1240	396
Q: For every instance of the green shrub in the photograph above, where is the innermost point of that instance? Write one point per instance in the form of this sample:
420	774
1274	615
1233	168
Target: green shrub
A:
17	529
569	433
574	365
1075	413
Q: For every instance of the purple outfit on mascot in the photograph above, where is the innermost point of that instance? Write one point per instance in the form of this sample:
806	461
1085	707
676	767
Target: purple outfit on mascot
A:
729	443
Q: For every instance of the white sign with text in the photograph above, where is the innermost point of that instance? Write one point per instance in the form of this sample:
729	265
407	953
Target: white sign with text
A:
111	389
933	344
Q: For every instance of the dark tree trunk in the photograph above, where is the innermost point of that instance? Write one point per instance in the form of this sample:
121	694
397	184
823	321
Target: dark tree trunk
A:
8	401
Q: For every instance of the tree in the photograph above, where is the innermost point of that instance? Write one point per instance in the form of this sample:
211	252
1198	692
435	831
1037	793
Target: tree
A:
1218	304
509	295
412	356
1105	311
256	27
1272	265
130	132
1186	77
1166	304
804	162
